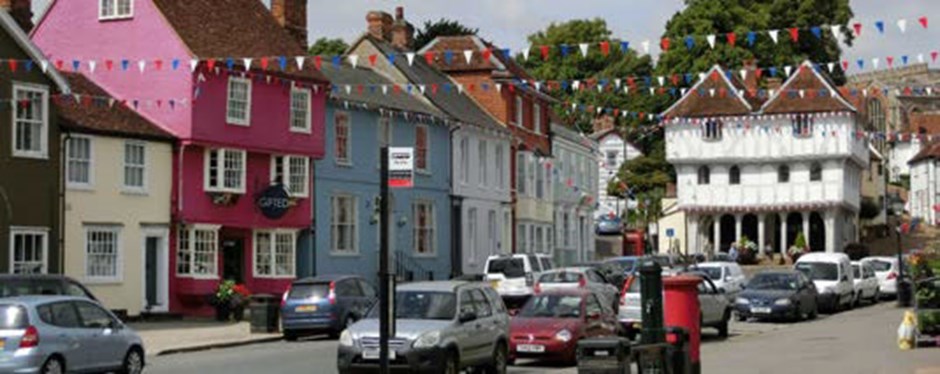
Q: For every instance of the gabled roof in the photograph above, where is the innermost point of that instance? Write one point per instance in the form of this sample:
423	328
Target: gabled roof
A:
718	97
371	92
929	151
600	135
101	118
806	78
22	40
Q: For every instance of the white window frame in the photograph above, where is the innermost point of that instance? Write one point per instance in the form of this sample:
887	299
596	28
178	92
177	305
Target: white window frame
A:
540	190
472	228
537	117
115	7
40	231
518	116
521	238
228	102
220	171
500	167
521	174
75	185
307	109
346	160
354	218
427	149
483	161
416	205
191	237
272	252
43	152
287	175
143	187
464	150
118	276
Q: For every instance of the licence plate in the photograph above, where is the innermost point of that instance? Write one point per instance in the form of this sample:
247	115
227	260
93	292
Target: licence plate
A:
305	309
531	348
760	310
3	343
494	284
373	354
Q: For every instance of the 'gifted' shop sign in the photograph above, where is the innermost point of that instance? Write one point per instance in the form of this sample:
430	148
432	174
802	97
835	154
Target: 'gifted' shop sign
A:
274	201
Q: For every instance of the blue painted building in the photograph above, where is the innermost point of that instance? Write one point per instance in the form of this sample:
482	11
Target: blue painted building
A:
346	237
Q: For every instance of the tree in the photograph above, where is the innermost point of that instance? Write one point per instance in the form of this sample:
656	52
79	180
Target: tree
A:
720	17
328	47
443	27
644	174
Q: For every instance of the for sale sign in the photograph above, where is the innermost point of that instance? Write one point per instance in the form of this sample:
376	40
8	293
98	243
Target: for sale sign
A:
401	167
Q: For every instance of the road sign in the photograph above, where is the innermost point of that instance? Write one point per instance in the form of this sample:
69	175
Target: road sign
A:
400	167
670	233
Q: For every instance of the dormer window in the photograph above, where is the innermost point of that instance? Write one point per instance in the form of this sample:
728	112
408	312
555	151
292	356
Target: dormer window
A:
713	130
802	126
115	9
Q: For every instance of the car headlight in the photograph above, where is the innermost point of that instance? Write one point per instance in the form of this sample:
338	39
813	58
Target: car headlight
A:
563	335
742	300
346	339
782	302
429	339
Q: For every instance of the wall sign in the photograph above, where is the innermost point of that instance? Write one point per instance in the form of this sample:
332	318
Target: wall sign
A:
400	167
274	201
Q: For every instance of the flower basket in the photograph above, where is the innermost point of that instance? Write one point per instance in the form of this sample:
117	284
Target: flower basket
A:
230	300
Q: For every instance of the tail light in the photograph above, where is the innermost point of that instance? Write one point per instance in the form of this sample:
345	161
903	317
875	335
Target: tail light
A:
284	298
538	288
30	338
892	275
623	291
582	281
332	293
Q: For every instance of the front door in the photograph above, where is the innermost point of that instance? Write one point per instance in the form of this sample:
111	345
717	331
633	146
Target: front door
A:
233	260
155	271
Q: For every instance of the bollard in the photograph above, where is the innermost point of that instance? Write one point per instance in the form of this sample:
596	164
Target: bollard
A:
651	301
684	311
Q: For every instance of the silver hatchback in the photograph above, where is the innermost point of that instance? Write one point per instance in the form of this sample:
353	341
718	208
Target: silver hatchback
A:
58	334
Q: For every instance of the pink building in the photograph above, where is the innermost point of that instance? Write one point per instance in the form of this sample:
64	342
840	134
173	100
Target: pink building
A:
247	140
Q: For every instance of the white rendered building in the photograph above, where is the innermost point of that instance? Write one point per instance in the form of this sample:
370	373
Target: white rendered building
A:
925	184
575	192
613	152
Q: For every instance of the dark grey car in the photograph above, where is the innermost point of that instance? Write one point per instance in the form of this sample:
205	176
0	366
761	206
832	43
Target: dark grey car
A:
325	304
41	284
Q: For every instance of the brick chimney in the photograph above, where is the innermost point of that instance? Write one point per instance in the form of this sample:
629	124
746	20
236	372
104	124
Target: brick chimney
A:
21	11
292	16
751	83
379	24
774	83
403	34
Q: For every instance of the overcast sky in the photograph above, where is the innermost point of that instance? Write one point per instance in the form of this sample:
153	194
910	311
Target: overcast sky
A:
508	22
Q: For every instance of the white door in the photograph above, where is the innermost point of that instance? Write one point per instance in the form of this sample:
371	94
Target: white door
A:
155	270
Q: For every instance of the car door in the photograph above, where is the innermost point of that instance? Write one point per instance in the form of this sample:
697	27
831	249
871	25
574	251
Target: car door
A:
468	340
871	282
487	326
807	292
66	331
369	297
707	296
107	346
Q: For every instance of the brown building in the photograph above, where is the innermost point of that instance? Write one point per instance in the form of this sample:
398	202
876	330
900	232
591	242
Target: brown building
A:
30	157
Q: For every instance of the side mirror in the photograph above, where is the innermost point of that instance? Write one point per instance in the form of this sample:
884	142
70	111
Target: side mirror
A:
467	317
845	278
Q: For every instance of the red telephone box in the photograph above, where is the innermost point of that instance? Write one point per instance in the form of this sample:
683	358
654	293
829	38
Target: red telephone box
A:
633	243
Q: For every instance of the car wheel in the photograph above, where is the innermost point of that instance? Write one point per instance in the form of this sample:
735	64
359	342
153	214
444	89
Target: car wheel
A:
876	296
451	366
53	365
133	362
814	312
740	317
500	360
290	336
723	327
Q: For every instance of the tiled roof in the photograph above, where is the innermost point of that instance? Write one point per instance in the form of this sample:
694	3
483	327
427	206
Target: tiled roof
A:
232	28
929	151
458	44
371	92
101	118
716	95
788	99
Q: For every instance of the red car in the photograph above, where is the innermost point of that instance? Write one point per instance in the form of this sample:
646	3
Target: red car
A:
551	323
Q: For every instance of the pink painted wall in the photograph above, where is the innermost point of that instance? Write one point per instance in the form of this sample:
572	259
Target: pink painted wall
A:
71	30
269	128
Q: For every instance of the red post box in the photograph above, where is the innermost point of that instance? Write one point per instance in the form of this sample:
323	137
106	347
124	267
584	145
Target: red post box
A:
681	309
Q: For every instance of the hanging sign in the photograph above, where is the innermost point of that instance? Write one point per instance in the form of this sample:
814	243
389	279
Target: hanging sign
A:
274	201
401	167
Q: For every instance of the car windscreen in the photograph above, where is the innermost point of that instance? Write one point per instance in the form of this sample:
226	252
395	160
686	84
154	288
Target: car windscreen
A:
663	261
422	305
13	317
309	291
880	266
552	306
857	270
786	282
19	287
713	273
819	270
560	277
626	265
509	267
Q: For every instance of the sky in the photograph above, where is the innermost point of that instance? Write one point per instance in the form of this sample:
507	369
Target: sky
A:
509	22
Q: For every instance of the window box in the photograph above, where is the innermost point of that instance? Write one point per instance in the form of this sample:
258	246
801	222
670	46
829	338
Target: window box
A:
225	170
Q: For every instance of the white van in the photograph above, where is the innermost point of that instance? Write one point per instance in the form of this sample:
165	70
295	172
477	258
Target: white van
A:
832	274
513	276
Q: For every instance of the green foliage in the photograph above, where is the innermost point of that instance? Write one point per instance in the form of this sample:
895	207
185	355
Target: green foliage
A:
328	47
719	17
800	241
647	173
442	27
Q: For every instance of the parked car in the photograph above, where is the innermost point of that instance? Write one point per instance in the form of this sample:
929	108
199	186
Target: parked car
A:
715	307
727	276
582	277
866	283
832	275
623	266
781	294
551	324
441	327
55	334
886	270
607	225
324	304
513	276
42	284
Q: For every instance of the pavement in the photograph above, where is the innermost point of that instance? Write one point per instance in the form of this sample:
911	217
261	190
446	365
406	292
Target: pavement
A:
858	341
161	338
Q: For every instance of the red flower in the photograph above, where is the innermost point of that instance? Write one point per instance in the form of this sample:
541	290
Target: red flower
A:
241	290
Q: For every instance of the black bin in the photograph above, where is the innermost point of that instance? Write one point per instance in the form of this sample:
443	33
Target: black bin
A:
607	355
679	351
265	310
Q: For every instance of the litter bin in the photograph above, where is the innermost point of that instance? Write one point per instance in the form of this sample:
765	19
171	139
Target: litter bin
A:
265	310
905	293
678	352
607	355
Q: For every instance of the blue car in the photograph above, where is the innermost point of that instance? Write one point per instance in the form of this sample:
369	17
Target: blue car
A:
324	304
607	225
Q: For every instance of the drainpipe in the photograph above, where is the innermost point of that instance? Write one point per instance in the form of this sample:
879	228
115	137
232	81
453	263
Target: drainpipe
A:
179	169
456	260
313	219
62	158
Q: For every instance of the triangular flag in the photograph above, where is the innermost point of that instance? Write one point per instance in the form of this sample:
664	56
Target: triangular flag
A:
858	29
923	21
904	59
890	60
802	94
141	65
499	87
794	34
874	63
773	35
817	32
429	57
411	58
711	40
646	46
860	63
732	38
544	49
920	58
787	69
689	42
845	65
743	73
373	58
664	44
584	49
836	30
902	25
247	62
831	66
300	62
353	60
468	55
880	25
751	37
384	89
605	48
624	46
933	56
525	53
193	63
91	66
44	65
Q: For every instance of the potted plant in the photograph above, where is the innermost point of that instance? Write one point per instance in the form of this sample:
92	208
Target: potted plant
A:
747	251
798	248
230	300
240	298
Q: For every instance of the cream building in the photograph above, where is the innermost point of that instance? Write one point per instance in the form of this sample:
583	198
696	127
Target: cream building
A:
118	176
